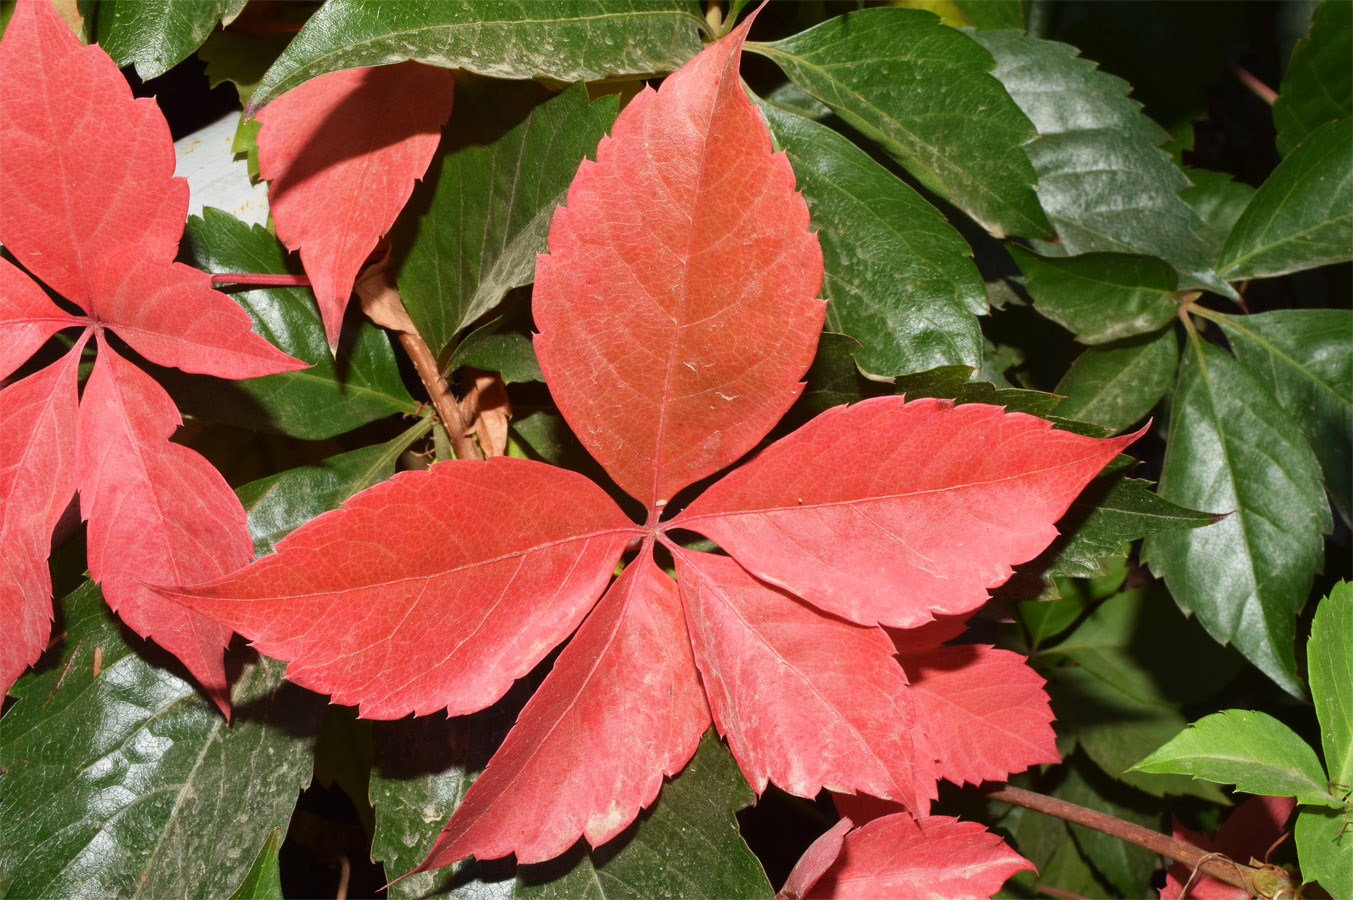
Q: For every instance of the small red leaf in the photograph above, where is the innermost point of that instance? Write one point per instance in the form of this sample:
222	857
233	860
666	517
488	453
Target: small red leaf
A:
951	498
676	306
157	512
897	856
984	710
88	171
622	707
806	700
27	318
37	480
444	611
169	313
815	861
342	152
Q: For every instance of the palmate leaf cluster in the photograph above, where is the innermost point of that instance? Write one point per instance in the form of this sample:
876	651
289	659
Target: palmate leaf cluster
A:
1000	221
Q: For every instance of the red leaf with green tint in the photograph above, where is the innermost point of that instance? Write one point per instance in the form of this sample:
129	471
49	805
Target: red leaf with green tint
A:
622	708
445	611
806	701
343	152
898	856
892	512
677	306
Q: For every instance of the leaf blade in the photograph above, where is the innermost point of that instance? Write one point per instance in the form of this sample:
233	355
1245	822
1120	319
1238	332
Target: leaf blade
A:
1331	665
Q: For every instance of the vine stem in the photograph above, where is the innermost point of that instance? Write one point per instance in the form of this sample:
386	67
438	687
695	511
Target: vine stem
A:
1257	87
264	279
1258	881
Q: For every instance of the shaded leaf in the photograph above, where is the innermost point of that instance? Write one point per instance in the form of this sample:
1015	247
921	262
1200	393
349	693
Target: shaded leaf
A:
156	35
668	275
263	881
1250	832
899	279
469	609
1234	449
495	346
1218	201
815	861
954	382
1117	385
570	40
1325	849
865	543
1330	659
489	212
1304	357
1302	216
1317	86
127	783
342	152
1103	182
924	92
1123	864
1252	750
1101	297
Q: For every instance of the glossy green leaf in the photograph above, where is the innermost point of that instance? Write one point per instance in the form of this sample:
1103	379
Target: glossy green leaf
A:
1117	385
1252	750
1116	730
1325	849
489	211
279	503
566	40
898	278
330	397
1140	643
1123	864
1233	448
952	382
1329	657
499	349
1302	216
1043	620
155	35
1318	85
1218	201
263	881
1305	358
1101	297
1101	177
121	779
924	92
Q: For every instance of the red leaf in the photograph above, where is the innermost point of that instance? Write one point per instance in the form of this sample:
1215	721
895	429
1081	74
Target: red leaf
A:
157	512
88	172
37	480
622	707
950	498
342	152
27	318
984	710
1251	831
805	700
897	856
453	609
676	305
815	861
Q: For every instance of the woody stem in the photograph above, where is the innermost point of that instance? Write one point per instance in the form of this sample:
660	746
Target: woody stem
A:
440	394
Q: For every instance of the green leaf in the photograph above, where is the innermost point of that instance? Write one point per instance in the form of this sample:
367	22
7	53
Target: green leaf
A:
1302	216
992	13
565	40
1116	730
279	503
128	782
1116	385
156	35
1325	849
328	398
1124	865
1138	642
951	382
241	59
1305	358
1101	297
1252	750
1101	177
263	881
1318	85
498	347
489	211
899	278
923	91
1233	447
1218	201
1329	658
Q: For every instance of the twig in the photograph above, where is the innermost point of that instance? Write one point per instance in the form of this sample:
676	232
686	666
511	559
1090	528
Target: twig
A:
1258	881
1257	87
